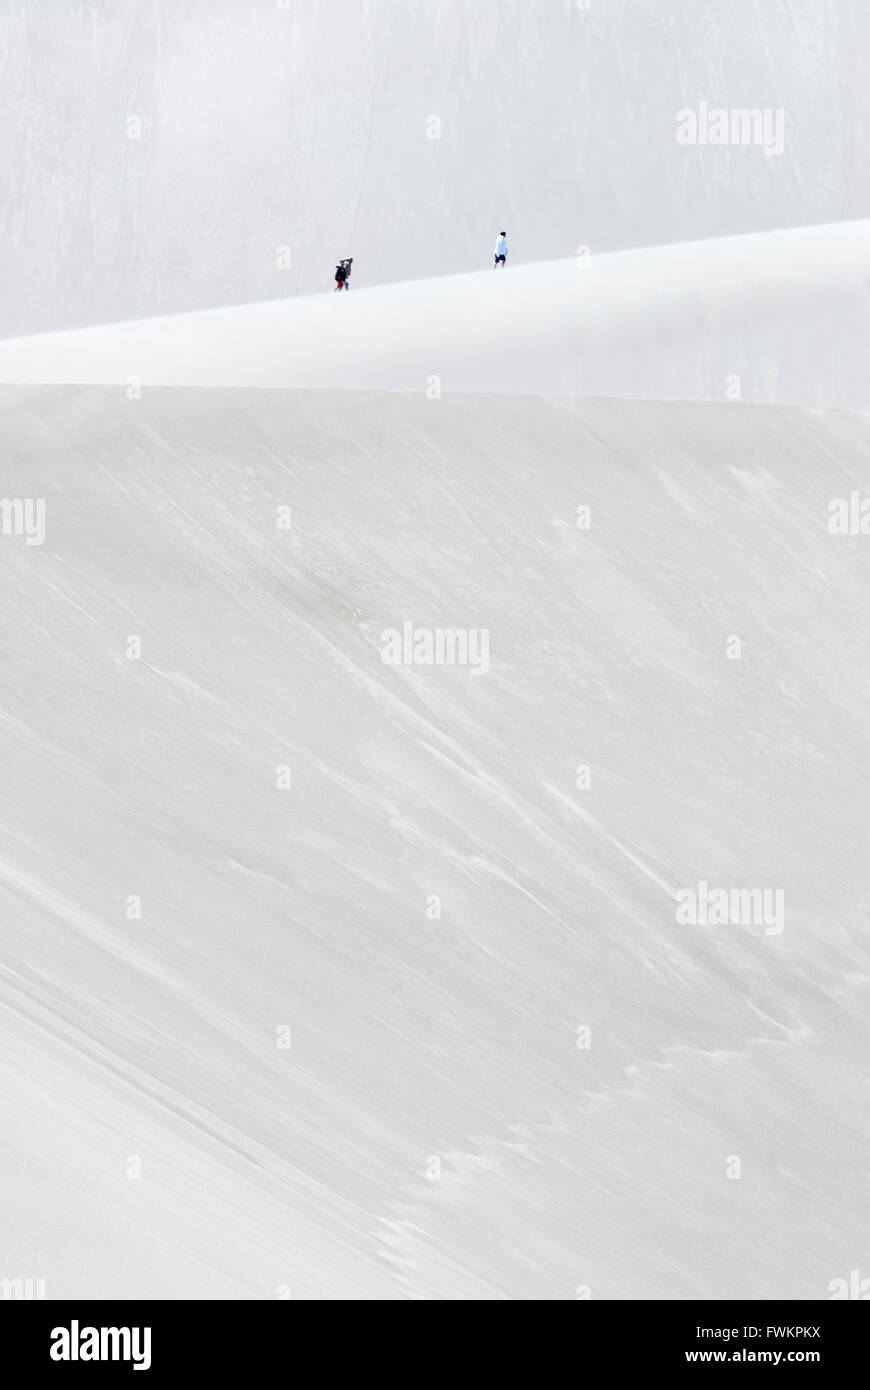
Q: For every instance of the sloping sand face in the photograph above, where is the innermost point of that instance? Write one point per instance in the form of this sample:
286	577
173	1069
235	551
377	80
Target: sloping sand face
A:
333	969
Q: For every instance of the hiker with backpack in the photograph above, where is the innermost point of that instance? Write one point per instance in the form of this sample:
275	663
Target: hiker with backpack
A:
342	273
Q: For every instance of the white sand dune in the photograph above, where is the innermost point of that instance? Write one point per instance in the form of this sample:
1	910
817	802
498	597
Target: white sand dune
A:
780	317
417	1037
323	977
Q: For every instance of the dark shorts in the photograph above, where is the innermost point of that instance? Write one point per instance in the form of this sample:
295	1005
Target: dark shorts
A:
500	260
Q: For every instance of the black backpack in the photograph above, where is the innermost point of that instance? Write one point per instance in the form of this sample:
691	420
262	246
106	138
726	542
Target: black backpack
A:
340	274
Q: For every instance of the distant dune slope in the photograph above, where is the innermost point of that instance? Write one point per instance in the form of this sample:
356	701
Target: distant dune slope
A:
782	317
